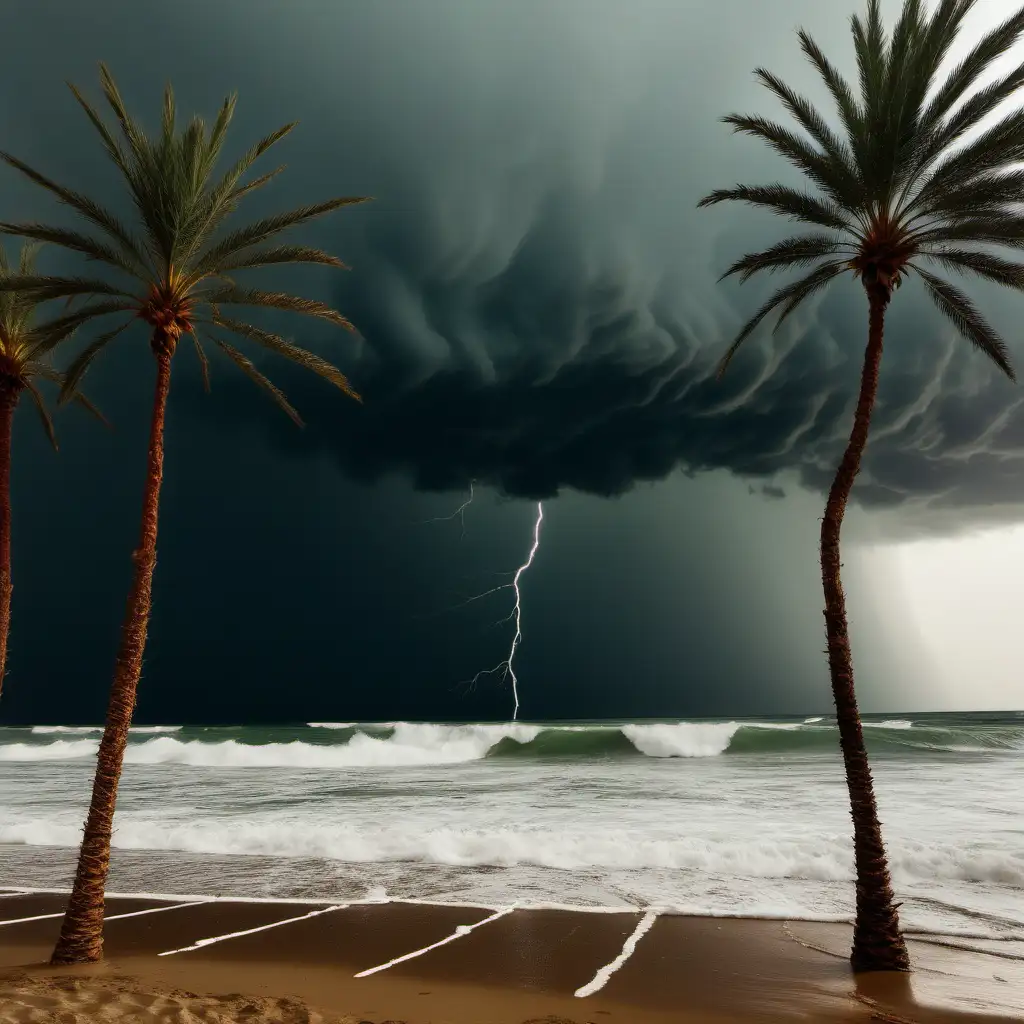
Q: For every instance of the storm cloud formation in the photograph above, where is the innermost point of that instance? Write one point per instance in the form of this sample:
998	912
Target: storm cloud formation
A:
538	310
535	288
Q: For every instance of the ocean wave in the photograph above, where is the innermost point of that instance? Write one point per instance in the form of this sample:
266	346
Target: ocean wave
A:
399	744
77	730
826	859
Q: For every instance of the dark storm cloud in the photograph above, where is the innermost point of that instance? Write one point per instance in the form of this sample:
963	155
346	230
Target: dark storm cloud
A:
534	286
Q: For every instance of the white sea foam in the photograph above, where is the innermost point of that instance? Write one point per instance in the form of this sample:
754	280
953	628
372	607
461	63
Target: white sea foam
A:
82	730
890	723
58	750
331	725
76	730
811	721
682	739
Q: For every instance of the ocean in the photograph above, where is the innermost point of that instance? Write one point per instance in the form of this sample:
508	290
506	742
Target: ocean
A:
728	818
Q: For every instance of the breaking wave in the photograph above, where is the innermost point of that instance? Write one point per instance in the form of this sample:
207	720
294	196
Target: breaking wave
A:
397	744
78	730
821	859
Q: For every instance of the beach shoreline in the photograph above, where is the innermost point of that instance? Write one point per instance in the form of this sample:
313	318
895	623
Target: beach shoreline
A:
222	959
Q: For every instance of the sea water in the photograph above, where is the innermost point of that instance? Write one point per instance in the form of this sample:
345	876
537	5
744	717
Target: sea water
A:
743	818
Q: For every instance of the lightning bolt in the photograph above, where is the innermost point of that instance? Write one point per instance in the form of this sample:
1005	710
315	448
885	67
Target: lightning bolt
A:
460	512
505	667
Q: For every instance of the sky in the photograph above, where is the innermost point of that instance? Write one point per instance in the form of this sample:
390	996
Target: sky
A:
538	311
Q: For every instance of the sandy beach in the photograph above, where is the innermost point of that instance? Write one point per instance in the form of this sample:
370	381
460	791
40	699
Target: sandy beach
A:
175	959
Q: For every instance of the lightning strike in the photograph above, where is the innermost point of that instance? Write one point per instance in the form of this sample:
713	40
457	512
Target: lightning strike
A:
460	512
505	667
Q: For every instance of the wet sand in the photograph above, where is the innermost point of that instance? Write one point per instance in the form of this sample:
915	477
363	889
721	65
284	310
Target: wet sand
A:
298	962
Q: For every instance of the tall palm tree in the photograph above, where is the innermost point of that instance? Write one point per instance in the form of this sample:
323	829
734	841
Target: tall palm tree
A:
25	348
172	275
897	187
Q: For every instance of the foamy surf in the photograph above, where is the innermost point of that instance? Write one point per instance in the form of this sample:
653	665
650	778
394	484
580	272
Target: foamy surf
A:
407	744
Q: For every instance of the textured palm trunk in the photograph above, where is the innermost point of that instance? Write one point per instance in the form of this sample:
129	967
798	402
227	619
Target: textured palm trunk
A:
877	942
81	933
8	401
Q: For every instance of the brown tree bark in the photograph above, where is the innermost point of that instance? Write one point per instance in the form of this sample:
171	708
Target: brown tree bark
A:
8	402
877	942
81	933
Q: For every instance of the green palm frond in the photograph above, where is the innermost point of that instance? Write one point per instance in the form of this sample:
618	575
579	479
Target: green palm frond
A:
906	173
246	366
181	261
792	295
263	230
76	371
828	175
277	255
204	363
793	204
129	259
297	355
42	288
985	230
792	252
276	300
836	149
50	373
983	264
48	336
44	414
988	49
968	320
24	342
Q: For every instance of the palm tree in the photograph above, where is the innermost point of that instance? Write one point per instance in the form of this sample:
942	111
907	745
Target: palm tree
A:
173	276
897	186
25	347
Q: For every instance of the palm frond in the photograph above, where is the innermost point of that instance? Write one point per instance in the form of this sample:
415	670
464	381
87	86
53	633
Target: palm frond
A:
204	363
788	201
44	413
995	149
823	172
792	294
42	289
984	230
983	264
223	197
988	49
257	378
958	308
791	252
50	373
234	296
263	230
129	258
280	254
835	148
850	114
76	371
300	356
88	246
49	335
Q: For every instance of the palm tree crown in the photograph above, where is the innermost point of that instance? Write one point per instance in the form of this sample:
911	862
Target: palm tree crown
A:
25	344
897	186
174	277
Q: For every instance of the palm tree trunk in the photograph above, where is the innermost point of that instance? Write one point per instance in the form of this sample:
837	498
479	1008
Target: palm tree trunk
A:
81	933
8	401
877	941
